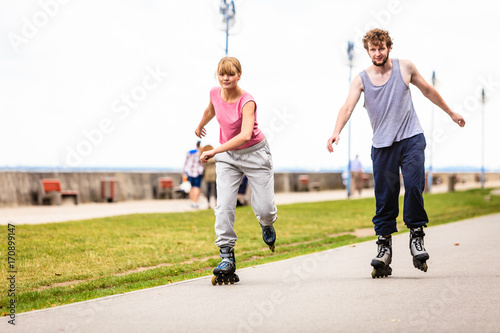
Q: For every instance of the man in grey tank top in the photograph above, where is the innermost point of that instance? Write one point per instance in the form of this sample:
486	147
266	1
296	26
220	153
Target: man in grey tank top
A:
398	142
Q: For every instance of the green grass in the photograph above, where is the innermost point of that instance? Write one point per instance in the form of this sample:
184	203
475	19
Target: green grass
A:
62	263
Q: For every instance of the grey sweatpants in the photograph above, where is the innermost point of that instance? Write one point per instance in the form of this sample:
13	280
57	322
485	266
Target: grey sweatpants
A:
256	163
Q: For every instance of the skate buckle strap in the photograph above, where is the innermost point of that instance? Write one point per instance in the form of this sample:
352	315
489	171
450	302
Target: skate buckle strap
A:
383	240
224	264
269	237
226	255
382	250
418	244
417	232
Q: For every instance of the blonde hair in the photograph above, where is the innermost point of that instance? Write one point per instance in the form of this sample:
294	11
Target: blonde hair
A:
228	65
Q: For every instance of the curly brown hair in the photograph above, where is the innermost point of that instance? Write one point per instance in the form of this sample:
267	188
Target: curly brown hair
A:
377	37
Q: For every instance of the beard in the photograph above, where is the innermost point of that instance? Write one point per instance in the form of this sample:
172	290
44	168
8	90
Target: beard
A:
383	61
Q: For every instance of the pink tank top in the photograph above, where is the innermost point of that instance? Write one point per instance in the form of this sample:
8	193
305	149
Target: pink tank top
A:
230	116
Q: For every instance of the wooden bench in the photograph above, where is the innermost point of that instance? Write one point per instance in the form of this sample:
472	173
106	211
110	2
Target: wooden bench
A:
109	189
51	189
315	186
165	187
303	183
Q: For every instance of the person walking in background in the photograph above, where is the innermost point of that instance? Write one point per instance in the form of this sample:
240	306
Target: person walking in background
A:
356	176
243	152
194	171
210	177
398	142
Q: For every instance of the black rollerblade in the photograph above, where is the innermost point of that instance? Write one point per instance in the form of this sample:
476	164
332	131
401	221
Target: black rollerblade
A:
383	259
224	272
269	236
417	249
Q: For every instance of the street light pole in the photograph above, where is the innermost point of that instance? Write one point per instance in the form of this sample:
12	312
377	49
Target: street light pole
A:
483	142
431	150
350	55
231	4
227	27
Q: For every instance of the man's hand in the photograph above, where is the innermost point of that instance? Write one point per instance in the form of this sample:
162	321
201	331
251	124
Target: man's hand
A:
329	144
458	119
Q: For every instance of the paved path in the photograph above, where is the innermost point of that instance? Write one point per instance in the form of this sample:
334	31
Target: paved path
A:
331	291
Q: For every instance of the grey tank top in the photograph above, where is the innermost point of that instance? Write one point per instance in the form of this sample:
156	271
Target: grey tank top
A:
390	109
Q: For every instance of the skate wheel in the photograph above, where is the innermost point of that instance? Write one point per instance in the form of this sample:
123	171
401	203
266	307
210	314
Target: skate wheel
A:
219	282
271	247
226	282
214	280
231	281
420	265
381	272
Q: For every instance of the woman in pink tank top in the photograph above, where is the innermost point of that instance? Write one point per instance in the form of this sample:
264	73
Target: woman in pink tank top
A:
243	152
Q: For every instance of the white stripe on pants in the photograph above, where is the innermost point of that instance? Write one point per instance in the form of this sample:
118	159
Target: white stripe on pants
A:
256	163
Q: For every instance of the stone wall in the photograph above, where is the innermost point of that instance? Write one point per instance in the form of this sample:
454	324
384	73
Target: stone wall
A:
466	177
289	181
22	188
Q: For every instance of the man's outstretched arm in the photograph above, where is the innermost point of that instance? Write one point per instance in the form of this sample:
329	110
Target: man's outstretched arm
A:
346	111
432	94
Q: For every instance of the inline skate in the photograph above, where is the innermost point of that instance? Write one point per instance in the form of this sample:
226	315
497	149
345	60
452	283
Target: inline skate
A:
224	272
269	236
417	249
383	258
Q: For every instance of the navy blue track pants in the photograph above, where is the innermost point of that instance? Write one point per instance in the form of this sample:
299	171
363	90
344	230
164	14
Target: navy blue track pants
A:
408	155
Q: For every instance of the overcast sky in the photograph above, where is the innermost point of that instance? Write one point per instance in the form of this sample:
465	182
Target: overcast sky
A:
124	83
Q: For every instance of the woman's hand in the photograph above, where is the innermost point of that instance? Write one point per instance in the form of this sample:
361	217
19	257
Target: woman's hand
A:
206	155
200	132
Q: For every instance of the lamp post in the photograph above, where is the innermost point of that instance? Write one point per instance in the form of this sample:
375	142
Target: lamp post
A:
226	8
483	141
350	56
431	150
